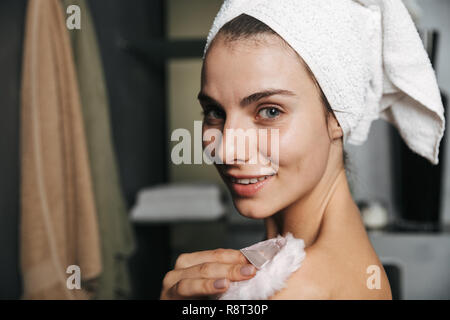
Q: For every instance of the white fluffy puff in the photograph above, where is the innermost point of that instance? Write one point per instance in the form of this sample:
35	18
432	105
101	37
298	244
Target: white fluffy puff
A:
272	277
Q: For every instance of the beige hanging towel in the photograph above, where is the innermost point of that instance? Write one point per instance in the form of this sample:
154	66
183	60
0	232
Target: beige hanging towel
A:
58	216
116	233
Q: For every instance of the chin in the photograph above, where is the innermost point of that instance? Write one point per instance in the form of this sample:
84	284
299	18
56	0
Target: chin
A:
253	208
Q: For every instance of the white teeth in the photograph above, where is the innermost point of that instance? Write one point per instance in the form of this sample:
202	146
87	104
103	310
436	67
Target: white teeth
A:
249	181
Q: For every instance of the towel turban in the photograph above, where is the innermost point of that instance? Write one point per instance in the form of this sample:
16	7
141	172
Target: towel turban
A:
368	59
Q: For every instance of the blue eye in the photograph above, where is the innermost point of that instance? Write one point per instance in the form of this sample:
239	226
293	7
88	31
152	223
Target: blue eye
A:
213	114
269	113
216	114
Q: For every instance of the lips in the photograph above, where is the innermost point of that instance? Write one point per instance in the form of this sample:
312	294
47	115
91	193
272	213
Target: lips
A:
248	186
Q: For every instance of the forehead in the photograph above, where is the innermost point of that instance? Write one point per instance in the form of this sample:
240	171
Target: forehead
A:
251	64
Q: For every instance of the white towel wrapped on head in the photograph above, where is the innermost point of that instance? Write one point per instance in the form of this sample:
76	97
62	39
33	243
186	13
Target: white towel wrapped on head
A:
367	57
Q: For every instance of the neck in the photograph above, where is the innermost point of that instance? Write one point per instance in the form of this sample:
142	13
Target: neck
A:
305	217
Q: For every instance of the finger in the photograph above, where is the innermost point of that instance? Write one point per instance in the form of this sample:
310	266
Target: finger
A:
211	270
214	270
193	288
187	260
171	277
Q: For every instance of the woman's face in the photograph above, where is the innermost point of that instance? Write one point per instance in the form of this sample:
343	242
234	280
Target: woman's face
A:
263	85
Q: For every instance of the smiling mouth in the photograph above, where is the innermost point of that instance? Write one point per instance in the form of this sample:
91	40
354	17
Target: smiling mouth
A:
250	180
248	186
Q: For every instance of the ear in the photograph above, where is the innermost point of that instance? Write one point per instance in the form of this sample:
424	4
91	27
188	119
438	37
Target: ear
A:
334	128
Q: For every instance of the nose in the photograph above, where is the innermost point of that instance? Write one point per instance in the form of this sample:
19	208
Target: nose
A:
239	142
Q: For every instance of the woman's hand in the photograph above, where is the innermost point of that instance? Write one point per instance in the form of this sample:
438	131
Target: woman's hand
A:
205	273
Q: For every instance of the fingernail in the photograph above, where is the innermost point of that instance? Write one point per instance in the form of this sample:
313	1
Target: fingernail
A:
220	284
247	270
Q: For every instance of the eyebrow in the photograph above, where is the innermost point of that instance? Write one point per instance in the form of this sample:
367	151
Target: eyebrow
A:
249	99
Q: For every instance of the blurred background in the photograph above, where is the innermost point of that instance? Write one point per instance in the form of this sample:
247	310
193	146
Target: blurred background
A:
148	63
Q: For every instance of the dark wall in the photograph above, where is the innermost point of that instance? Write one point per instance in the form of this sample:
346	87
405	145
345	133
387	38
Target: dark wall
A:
136	88
12	14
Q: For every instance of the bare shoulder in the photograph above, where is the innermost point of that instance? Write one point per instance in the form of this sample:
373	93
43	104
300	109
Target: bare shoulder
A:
339	271
310	282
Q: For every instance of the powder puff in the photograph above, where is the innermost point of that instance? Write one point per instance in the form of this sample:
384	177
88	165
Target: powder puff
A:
273	274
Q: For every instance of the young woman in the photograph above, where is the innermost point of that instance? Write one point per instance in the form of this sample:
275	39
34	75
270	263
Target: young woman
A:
252	78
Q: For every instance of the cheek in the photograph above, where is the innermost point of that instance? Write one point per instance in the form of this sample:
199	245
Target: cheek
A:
304	150
211	137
